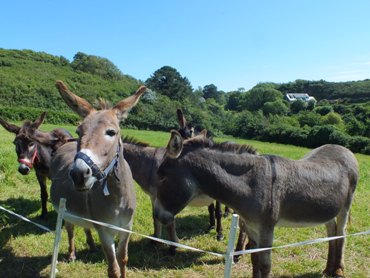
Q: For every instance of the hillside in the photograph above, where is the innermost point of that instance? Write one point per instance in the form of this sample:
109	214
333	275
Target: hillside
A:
341	116
27	79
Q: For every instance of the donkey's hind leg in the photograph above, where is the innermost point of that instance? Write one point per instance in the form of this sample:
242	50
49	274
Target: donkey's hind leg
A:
335	263
331	228
90	240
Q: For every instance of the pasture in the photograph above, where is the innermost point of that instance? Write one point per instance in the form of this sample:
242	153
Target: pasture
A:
26	250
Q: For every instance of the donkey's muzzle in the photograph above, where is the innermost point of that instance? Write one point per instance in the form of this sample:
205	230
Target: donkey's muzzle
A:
24	169
81	178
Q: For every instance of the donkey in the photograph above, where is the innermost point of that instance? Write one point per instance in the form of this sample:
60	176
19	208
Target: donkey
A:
144	162
33	154
94	177
265	190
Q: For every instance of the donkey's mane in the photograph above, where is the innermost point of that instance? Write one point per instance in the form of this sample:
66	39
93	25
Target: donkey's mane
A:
203	142
133	141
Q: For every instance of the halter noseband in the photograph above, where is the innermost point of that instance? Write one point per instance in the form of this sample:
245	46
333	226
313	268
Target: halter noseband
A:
100	175
26	162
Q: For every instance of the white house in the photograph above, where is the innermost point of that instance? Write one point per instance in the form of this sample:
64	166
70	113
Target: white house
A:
303	97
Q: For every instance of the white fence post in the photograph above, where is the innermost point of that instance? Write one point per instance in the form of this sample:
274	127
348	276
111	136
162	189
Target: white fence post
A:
230	246
58	232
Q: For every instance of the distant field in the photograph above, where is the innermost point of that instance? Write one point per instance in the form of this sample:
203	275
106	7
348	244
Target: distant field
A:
26	250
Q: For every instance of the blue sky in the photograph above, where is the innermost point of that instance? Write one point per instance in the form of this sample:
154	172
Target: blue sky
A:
231	44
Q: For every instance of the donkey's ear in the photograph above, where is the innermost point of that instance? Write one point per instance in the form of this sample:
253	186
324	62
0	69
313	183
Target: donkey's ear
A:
175	145
123	107
203	133
10	127
180	118
36	124
76	103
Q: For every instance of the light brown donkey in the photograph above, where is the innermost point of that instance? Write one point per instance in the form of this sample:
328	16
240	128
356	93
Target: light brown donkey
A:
94	177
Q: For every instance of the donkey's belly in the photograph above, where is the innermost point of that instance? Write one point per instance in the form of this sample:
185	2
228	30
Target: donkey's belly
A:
201	201
304	216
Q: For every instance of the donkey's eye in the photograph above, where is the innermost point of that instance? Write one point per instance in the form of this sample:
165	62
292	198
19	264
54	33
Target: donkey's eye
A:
111	132
31	144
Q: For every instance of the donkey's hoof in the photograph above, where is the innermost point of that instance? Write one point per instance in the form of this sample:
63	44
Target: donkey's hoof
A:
236	259
210	228
226	214
71	258
172	251
220	237
43	216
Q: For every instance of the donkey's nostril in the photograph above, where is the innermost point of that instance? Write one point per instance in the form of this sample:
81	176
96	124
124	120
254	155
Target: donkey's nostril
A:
88	171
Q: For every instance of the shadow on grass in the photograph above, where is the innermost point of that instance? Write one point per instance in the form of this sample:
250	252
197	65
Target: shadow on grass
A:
142	253
14	266
14	226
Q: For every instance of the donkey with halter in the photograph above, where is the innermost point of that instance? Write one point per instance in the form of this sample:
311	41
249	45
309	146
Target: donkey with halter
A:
265	190
94	177
33	154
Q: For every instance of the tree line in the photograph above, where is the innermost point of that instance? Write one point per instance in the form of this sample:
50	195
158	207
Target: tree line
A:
341	114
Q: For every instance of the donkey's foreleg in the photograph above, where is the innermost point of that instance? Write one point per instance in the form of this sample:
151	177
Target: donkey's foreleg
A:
171	230
122	252
211	211
219	229
44	195
157	225
106	237
71	241
227	211
261	261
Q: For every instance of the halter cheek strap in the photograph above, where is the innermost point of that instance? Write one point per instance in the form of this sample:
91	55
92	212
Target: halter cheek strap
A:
26	162
101	176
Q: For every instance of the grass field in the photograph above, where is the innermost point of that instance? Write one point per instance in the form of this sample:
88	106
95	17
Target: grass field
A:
26	250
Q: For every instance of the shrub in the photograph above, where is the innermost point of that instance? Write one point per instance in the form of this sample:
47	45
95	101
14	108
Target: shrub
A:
326	134
359	144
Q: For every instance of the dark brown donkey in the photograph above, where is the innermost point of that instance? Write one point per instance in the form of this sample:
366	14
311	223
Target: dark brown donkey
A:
32	154
144	162
94	177
265	190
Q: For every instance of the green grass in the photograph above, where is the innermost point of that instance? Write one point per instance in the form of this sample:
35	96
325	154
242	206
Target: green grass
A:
26	250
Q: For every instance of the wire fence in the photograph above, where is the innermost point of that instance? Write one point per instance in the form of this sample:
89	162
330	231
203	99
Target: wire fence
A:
228	255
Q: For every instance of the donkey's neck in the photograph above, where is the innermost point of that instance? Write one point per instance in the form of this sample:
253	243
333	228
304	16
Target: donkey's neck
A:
43	160
144	162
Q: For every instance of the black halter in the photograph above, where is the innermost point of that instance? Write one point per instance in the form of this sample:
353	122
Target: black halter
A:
100	175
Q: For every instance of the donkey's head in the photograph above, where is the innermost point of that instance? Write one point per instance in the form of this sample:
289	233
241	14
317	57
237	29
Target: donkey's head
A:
25	145
186	130
99	142
176	185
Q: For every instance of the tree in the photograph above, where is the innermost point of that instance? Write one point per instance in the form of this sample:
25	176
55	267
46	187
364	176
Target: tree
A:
297	106
168	81
275	108
259	95
210	91
96	65
233	101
